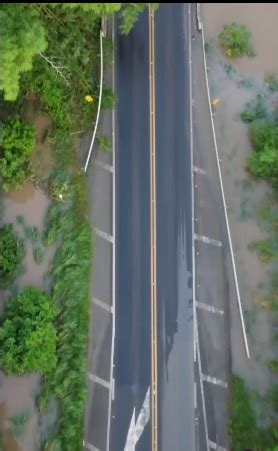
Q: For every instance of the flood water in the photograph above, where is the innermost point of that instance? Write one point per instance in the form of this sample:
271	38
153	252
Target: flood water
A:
17	394
244	195
260	18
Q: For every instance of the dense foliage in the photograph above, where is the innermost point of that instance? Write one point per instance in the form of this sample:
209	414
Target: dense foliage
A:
235	40
17	143
70	273
263	162
20	42
21	37
11	255
28	337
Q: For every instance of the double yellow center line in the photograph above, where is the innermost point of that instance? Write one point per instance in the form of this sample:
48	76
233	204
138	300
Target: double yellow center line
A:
154	406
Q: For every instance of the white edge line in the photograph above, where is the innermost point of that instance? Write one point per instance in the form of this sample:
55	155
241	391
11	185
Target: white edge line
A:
192	186
112	394
202	390
224	204
195	329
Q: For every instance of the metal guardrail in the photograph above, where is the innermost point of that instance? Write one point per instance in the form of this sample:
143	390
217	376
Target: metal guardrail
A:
102	34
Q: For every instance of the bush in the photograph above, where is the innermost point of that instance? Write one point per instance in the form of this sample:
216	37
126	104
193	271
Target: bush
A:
17	143
253	112
263	163
11	255
235	39
272	82
28	336
60	186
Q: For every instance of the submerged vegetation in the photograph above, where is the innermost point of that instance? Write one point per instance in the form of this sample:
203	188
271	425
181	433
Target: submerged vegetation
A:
236	40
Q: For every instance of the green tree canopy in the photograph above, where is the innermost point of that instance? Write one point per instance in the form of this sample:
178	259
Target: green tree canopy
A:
28	335
21	37
263	162
17	142
129	12
11	254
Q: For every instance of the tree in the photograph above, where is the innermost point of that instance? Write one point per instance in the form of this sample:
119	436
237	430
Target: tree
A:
28	336
129	12
263	162
235	39
17	143
11	254
22	36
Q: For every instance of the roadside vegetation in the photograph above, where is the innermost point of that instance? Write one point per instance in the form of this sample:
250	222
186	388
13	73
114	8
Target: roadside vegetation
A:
243	429
51	61
236	40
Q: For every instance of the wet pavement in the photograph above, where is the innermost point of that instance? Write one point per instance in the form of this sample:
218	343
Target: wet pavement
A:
174	230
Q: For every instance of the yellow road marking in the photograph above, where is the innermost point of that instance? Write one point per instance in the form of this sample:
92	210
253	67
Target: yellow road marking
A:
154	407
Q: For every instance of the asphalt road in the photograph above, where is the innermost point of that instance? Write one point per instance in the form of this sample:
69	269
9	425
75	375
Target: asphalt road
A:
174	234
132	355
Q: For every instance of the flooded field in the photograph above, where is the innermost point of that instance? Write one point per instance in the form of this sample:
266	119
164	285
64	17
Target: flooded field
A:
17	394
236	81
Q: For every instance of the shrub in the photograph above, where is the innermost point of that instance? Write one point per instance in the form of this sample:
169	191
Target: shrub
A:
272	82
263	162
235	39
11	255
17	143
28	336
60	186
253	112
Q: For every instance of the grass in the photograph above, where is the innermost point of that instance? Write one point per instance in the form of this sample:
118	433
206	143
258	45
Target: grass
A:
243	430
70	278
104	143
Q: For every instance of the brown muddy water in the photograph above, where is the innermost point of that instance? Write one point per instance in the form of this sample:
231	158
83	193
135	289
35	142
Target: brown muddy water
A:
235	86
17	394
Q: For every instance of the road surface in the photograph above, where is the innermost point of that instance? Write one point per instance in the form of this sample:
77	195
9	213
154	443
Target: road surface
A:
174	234
132	357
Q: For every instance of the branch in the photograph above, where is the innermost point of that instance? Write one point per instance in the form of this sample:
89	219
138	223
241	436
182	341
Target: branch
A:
55	67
